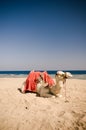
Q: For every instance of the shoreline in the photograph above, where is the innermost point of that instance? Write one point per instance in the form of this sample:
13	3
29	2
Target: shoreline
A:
81	76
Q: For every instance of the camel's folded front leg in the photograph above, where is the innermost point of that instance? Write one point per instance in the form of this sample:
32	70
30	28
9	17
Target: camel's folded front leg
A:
44	92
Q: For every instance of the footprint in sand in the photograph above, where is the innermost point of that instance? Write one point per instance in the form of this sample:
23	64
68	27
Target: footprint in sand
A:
61	113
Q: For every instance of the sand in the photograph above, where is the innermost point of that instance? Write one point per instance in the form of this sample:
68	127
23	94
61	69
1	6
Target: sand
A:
28	112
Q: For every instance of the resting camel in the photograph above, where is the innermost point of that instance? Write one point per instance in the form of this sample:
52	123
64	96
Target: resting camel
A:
49	88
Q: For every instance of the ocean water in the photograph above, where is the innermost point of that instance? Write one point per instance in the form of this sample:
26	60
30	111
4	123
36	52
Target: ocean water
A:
77	74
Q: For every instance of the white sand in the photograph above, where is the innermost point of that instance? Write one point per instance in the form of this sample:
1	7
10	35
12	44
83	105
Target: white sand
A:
29	112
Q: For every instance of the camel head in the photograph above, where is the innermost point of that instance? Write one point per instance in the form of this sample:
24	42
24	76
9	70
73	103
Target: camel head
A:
62	76
68	75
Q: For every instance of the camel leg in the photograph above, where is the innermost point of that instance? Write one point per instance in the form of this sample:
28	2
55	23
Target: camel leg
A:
44	92
22	88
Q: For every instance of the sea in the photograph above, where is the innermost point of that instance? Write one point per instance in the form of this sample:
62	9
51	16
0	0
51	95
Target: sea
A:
77	74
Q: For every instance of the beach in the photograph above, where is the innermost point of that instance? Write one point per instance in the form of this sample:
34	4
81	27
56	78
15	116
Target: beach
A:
29	112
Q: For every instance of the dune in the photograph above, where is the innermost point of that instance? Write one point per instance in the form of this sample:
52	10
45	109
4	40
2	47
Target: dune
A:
29	112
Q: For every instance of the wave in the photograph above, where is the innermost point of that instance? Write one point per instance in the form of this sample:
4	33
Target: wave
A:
75	76
13	75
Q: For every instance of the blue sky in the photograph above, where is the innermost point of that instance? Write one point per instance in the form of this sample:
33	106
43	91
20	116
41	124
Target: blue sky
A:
42	34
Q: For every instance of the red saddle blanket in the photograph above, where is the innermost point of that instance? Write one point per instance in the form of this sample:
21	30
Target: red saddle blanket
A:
31	81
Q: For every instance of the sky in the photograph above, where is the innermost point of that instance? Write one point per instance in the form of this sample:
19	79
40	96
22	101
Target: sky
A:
42	34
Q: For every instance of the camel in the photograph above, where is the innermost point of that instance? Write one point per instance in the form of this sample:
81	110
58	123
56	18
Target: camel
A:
59	80
43	89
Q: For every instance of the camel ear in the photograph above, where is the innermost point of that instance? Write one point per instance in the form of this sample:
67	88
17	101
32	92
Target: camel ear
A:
68	75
